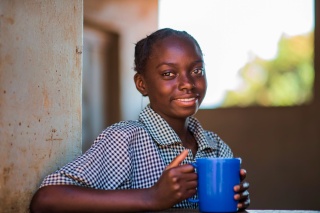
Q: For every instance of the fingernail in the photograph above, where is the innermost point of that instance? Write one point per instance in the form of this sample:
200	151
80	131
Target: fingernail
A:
245	184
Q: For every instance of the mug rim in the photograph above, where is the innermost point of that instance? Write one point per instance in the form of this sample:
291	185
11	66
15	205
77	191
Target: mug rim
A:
219	159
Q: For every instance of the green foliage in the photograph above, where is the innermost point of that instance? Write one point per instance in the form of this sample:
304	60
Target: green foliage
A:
286	80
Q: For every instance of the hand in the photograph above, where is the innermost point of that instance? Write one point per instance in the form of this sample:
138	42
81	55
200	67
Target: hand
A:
177	183
242	192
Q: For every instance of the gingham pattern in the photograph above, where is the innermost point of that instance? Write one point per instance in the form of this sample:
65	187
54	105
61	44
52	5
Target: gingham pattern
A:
133	154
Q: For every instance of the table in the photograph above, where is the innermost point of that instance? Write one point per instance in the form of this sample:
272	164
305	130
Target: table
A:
281	211
247	211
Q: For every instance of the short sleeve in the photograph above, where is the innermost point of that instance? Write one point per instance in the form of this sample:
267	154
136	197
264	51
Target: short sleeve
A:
106	165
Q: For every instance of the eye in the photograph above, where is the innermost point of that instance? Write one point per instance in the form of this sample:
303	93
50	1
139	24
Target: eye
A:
198	71
168	74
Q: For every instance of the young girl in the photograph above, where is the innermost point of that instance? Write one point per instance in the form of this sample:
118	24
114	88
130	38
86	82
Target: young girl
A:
144	165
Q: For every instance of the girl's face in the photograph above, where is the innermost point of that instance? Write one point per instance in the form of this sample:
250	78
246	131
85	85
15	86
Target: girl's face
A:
175	79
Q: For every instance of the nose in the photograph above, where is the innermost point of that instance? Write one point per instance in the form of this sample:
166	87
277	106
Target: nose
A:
186	82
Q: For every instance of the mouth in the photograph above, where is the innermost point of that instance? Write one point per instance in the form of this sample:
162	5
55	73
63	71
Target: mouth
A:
186	99
186	102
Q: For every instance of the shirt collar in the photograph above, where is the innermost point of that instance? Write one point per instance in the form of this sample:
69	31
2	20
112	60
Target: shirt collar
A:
163	134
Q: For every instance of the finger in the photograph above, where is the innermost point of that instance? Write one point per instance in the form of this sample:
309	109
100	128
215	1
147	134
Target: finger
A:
190	192
244	205
190	177
243	174
187	168
176	162
191	185
241	187
242	196
190	188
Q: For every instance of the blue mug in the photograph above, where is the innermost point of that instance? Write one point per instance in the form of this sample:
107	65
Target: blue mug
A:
216	179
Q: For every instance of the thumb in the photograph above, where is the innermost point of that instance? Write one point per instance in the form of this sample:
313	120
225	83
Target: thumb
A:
176	162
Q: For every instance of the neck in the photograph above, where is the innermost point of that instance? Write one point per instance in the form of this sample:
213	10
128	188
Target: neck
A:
180	126
187	138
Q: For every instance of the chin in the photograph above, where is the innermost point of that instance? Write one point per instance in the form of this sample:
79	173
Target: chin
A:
189	112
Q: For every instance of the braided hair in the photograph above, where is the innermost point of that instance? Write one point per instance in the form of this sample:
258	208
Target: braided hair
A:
143	48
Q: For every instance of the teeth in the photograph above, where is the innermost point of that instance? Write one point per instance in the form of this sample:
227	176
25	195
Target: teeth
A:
186	99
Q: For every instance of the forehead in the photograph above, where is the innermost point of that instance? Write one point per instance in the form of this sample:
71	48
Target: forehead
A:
175	44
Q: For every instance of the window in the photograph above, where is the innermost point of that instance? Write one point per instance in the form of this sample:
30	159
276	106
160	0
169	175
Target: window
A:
257	53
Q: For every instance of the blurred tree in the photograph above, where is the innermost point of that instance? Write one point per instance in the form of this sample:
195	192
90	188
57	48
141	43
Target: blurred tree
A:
286	80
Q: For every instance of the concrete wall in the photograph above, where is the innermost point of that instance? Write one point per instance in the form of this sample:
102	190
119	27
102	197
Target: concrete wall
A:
40	94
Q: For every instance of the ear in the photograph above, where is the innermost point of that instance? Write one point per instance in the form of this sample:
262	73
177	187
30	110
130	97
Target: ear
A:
140	84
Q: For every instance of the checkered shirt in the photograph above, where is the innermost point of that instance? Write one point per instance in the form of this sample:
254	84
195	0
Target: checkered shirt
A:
133	154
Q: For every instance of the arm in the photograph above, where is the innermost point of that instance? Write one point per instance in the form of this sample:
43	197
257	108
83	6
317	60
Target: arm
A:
177	183
69	198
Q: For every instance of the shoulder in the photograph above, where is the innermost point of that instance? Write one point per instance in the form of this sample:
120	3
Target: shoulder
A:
213	136
123	130
223	149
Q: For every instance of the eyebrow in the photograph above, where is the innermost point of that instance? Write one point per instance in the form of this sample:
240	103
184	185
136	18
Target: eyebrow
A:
173	64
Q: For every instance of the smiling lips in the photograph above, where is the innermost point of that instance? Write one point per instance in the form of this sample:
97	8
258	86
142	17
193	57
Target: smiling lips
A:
186	101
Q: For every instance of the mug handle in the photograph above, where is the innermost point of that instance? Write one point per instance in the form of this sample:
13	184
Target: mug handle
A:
190	199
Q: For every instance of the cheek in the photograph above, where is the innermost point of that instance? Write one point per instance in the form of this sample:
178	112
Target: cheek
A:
202	89
160	91
202	85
